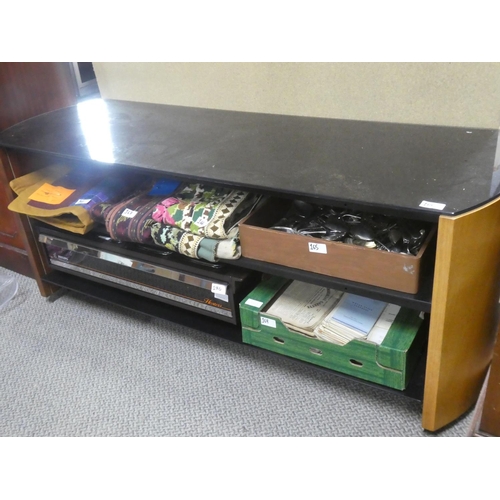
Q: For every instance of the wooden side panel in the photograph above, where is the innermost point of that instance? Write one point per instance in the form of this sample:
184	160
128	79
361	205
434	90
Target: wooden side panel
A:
464	313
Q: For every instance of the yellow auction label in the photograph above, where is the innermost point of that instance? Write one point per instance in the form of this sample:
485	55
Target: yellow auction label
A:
52	195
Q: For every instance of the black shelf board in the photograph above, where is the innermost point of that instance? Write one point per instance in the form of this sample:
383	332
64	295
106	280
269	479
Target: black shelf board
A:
206	324
145	305
420	301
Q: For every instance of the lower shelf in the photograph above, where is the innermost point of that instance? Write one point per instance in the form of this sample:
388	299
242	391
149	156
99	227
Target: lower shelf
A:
203	323
145	305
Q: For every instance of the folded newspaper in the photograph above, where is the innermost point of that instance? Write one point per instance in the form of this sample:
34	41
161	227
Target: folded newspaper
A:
333	316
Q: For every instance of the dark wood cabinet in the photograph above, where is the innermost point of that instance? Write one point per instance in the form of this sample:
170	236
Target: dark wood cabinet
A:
26	89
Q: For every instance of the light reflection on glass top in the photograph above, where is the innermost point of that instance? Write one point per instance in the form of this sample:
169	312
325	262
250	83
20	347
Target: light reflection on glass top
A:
94	121
421	170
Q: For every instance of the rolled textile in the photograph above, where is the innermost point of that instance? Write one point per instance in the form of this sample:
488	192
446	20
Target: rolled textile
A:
129	220
205	210
194	245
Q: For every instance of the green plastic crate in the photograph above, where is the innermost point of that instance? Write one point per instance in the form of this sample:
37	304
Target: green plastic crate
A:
390	364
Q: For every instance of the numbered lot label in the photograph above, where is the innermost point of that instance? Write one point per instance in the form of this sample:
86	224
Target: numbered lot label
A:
268	322
219	288
317	247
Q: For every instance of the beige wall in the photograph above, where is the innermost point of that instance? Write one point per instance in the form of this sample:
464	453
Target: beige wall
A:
457	94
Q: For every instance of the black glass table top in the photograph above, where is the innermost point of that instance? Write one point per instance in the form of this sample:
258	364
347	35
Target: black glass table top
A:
421	170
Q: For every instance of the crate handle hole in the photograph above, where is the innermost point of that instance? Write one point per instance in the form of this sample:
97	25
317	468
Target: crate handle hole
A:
318	352
278	340
355	363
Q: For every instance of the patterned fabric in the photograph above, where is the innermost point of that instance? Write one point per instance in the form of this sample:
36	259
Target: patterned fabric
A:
193	245
129	220
205	210
200	222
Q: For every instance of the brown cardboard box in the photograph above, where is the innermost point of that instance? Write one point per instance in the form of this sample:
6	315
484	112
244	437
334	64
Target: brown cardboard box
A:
350	262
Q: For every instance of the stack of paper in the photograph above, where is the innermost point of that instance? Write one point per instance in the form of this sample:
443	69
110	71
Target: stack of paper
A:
357	317
384	323
331	315
302	306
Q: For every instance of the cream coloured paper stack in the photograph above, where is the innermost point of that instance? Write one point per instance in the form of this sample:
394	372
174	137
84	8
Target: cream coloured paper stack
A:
302	306
332	315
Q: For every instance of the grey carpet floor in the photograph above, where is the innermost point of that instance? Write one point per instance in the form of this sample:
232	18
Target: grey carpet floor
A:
78	367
